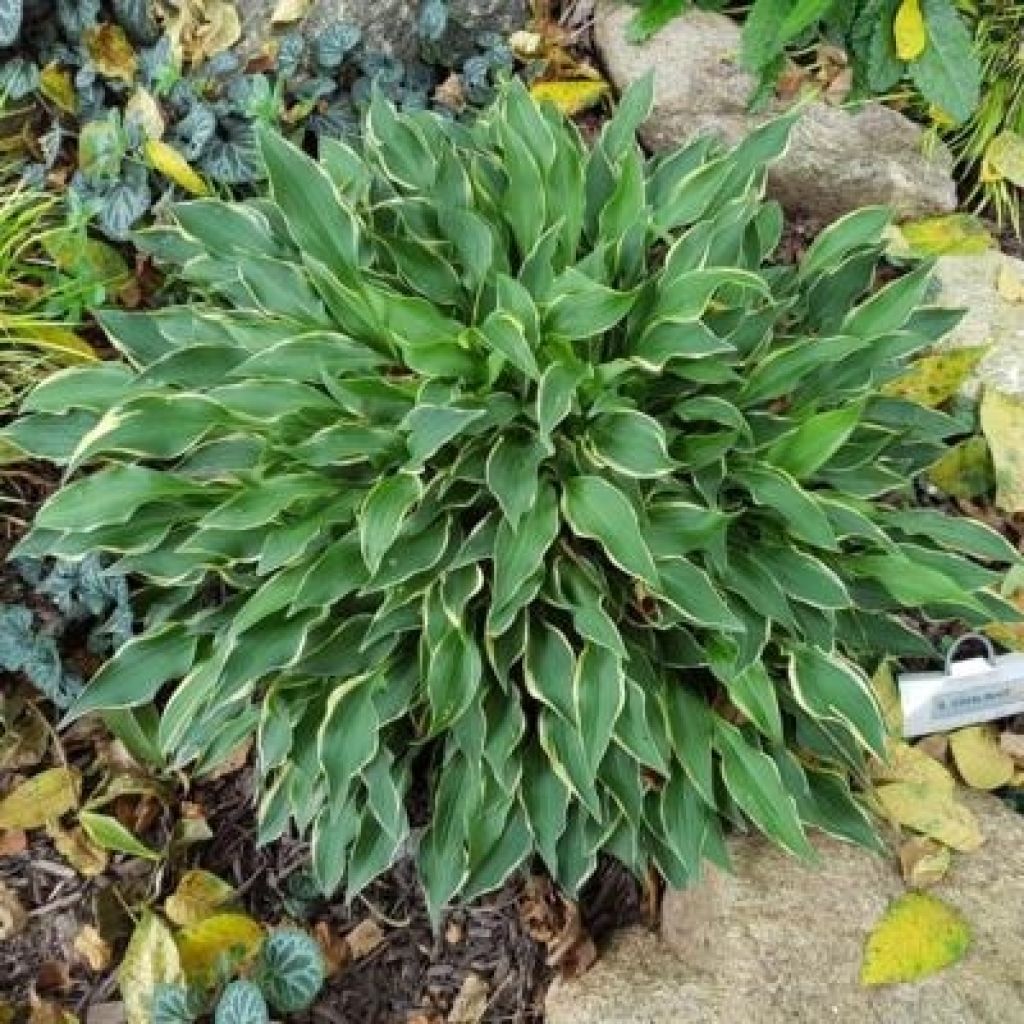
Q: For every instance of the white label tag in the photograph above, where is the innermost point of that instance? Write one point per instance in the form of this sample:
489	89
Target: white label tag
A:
974	690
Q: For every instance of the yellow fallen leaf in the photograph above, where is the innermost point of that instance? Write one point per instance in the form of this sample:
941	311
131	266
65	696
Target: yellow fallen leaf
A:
934	379
36	801
965	471
151	957
287	11
949	233
526	45
1010	282
909	30
1002	422
888	696
571	97
142	109
58	341
201	945
111	52
170	163
88	859
930	810
1004	157
924	862
92	948
13	916
1012	744
905	763
56	85
198	895
917	936
981	762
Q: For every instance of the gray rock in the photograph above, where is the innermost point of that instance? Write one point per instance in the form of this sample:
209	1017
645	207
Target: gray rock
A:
972	282
781	943
389	26
837	160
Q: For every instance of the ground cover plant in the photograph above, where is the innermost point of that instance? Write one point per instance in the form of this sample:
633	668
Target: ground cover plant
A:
139	102
492	473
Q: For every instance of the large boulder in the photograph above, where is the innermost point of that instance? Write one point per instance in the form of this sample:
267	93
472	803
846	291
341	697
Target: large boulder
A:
837	160
994	317
780	942
390	26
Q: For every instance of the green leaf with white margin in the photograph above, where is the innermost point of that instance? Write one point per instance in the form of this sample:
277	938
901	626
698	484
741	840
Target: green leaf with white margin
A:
511	470
431	427
134	675
859	228
454	672
691	727
555	395
550	668
828	687
318	217
776	489
598	510
382	514
631	443
582	308
546	800
599	691
689	590
753	781
810	445
505	335
890	307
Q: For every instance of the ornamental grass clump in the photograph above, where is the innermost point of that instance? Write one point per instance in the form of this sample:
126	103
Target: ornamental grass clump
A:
487	472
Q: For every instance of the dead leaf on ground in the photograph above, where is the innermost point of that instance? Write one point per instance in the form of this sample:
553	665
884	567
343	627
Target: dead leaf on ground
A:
85	856
936	746
53	976
451	94
151	957
287	11
555	921
13	916
1002	421
40	799
364	938
12	842
333	947
1012	743
203	944
42	1011
92	948
917	936
470	1003
199	894
979	759
112	53
932	811
934	379
906	763
924	862
571	97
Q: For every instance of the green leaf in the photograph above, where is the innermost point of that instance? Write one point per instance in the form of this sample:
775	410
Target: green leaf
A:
947	72
291	969
810	445
430	427
598	510
555	395
653	16
690	591
454	671
829	687
241	1002
318	218
383	511
599	691
753	781
512	467
582	308
550	669
110	834
630	443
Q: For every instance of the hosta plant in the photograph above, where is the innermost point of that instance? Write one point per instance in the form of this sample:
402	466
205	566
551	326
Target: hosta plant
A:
492	474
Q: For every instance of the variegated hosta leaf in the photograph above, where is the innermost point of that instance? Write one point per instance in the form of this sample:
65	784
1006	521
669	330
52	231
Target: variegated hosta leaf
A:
483	459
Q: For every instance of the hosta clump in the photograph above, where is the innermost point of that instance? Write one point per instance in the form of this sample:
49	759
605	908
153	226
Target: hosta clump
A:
514	472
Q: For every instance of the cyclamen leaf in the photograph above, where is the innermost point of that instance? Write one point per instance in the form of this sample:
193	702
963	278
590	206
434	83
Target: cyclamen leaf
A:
291	969
10	21
241	1002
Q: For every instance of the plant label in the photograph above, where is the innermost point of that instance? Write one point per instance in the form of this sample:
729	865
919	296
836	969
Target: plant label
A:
969	691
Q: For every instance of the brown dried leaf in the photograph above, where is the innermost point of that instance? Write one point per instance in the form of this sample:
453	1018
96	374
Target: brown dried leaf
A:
111	52
92	948
44	1012
40	799
935	746
333	947
53	976
1012	743
924	862
450	94
12	842
13	916
470	1004
85	856
364	939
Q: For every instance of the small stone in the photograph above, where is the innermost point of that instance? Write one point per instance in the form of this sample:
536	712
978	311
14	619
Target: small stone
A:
837	161
781	941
